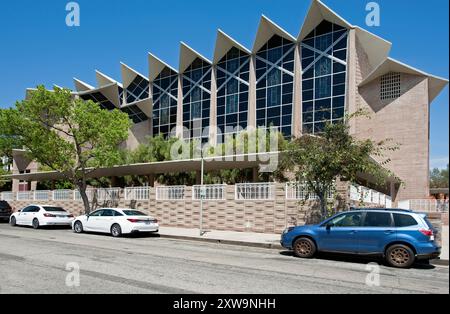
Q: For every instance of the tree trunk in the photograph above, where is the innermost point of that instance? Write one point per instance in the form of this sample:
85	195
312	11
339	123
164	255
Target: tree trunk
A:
82	188
323	205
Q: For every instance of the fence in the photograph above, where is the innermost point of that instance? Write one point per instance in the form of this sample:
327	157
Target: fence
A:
301	191
369	196
255	191
137	194
210	192
425	205
170	193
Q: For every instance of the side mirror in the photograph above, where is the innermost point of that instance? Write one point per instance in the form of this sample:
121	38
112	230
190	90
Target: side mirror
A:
328	226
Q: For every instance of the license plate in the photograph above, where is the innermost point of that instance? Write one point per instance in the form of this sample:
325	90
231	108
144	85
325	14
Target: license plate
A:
432	238
148	222
61	216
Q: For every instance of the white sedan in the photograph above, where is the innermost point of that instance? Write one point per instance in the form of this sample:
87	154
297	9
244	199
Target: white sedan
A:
41	215
116	222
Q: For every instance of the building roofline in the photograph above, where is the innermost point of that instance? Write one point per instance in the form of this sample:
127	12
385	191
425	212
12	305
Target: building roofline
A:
185	59
266	29
223	38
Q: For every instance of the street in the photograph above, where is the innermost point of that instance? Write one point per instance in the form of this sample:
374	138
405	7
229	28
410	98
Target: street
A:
39	261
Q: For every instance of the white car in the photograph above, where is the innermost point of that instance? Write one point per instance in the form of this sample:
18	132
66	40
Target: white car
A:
115	221
41	215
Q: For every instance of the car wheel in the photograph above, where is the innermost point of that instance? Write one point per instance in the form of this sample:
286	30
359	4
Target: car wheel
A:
35	223
12	222
304	248
400	256
78	227
116	231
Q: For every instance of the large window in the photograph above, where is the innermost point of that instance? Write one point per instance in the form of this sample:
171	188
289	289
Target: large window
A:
137	90
100	99
165	102
135	113
274	84
232	91
324	66
196	99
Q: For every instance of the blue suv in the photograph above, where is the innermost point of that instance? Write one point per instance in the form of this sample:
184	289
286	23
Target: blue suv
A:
400	236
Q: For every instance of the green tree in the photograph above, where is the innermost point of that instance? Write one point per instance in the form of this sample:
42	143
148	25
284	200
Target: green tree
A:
68	135
439	178
8	141
320	160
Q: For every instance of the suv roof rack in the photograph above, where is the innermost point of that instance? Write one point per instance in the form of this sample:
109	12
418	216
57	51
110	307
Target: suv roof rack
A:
386	209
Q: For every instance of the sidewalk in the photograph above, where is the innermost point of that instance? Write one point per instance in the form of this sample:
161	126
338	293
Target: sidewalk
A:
263	240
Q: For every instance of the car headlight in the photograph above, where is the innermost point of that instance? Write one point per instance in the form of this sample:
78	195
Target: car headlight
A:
289	229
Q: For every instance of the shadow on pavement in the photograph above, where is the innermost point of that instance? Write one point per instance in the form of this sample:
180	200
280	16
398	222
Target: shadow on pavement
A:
356	259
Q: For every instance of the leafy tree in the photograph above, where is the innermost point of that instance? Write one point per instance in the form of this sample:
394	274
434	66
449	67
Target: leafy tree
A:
68	135
320	160
439	178
8	140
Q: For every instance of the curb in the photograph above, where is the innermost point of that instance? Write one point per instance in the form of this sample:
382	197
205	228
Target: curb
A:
273	246
439	262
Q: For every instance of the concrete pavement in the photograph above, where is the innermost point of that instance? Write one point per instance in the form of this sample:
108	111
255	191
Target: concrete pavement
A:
35	261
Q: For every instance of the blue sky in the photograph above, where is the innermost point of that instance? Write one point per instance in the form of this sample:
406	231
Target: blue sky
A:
38	48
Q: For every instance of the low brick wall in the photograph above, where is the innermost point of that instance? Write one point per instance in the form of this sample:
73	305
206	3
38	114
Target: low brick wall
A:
268	216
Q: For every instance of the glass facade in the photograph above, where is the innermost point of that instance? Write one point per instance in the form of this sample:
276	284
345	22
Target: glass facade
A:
196	99
100	99
232	91
324	66
165	102
137	90
274	84
135	113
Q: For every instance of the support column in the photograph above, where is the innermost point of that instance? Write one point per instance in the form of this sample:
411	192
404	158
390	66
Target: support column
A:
252	93
198	177
213	108
180	107
297	118
151	180
255	174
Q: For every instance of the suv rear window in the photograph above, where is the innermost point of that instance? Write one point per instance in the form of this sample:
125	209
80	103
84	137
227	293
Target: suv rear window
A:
377	219
402	220
4	205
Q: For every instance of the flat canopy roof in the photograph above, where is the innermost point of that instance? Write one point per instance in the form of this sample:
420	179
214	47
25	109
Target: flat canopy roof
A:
175	166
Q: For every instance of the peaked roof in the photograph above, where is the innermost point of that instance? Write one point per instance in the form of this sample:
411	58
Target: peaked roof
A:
103	79
435	85
266	30
129	74
156	65
187	56
376	48
223	44
81	86
110	91
318	12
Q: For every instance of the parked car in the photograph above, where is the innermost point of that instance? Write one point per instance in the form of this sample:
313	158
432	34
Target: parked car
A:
41	215
5	211
400	236
116	221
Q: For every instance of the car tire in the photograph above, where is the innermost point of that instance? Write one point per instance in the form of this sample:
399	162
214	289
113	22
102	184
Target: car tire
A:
78	227
116	231
35	223
304	248
400	256
13	222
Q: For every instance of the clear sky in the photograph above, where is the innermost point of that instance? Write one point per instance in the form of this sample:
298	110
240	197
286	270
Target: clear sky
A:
36	46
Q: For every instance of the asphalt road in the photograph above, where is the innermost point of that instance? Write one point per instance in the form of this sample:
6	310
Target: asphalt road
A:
35	261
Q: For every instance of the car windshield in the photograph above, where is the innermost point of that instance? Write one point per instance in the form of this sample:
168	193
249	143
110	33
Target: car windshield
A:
53	209
133	213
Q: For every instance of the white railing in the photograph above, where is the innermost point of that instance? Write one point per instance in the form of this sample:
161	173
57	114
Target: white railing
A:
209	192
77	195
41	195
255	191
369	196
108	194
7	196
425	205
25	196
63	195
301	191
137	193
170	193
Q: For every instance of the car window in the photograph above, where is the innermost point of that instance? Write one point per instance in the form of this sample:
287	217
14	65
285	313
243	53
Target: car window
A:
116	213
53	209
108	213
35	209
347	220
96	213
377	219
26	209
402	220
133	213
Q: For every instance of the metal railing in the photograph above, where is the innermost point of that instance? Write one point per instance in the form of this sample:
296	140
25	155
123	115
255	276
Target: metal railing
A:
210	192
7	196
369	196
41	195
25	196
255	191
301	191
426	205
137	193
63	195
170	193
